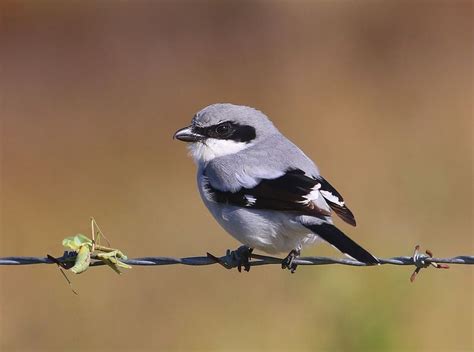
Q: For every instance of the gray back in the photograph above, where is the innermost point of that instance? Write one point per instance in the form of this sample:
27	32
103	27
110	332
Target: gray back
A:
269	158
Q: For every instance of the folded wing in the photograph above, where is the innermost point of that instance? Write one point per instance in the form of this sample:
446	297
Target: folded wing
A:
293	191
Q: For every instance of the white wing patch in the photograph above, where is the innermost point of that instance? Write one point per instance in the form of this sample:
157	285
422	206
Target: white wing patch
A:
313	195
332	198
250	200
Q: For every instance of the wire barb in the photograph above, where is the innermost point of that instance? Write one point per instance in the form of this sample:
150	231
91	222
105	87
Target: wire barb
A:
421	262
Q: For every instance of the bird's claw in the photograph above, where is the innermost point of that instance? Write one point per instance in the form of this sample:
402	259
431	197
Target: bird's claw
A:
288	262
239	258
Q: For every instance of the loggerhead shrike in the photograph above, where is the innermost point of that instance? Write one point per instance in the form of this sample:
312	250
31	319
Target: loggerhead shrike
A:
261	188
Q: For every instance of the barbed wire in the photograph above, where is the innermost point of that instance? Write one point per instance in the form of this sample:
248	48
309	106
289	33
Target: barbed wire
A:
233	259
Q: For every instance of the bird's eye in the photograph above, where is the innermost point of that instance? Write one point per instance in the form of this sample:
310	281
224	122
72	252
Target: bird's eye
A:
223	129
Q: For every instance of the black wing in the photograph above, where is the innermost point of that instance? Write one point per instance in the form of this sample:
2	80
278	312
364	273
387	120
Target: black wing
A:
335	201
288	193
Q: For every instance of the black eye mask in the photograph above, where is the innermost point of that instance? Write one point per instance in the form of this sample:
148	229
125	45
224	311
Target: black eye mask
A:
229	131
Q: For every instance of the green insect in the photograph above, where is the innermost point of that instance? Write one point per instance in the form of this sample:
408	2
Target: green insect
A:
88	249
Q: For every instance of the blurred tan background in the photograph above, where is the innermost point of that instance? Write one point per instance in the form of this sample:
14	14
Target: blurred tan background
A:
378	93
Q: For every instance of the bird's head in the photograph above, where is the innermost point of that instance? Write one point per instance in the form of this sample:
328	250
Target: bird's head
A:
223	129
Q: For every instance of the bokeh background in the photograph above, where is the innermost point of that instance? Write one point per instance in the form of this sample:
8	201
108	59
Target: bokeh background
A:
378	92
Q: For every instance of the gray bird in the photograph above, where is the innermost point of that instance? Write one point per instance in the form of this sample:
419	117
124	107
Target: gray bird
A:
261	188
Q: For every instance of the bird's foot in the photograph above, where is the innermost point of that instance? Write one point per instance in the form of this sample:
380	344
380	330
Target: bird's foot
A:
239	258
288	262
242	257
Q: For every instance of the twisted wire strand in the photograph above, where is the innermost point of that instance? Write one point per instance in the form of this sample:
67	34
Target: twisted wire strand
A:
418	260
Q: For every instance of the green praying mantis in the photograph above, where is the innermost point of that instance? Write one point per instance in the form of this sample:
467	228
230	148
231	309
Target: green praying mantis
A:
87	249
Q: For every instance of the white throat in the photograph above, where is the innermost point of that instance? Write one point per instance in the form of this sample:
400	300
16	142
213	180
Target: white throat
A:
203	152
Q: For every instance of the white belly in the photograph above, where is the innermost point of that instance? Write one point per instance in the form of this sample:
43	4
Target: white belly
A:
268	231
264	230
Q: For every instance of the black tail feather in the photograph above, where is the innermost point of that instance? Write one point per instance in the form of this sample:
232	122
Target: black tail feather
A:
338	239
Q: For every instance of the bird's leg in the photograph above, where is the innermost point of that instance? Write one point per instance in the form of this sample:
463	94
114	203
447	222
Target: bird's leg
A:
288	262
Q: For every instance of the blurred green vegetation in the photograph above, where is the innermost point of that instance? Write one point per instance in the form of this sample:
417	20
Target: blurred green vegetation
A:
378	93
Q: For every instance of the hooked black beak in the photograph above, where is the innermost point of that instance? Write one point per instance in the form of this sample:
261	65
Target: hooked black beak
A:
187	135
